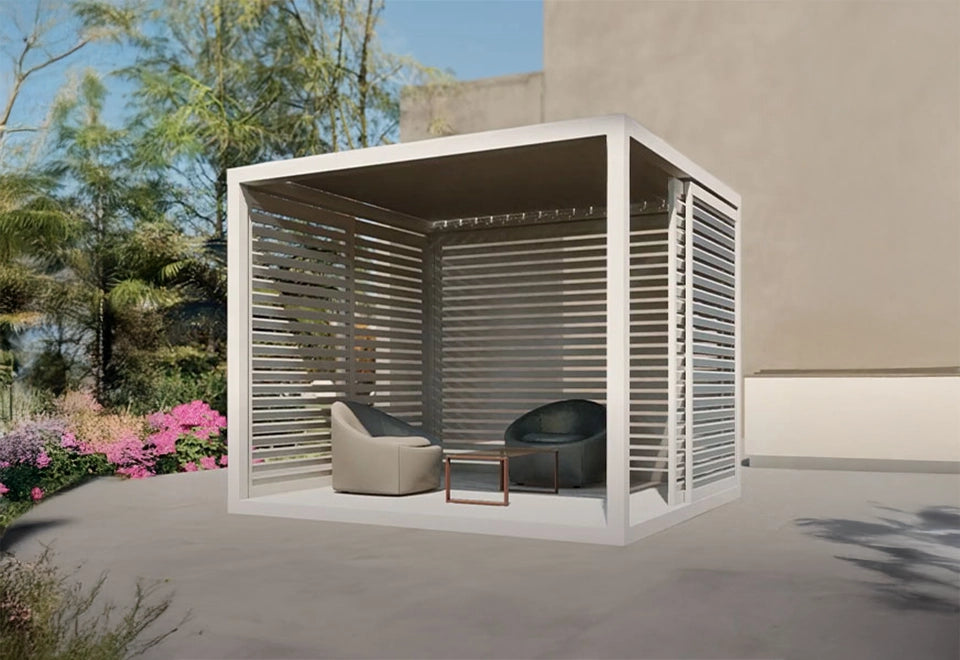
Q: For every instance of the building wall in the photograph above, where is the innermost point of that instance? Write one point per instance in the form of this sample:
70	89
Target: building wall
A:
487	104
838	123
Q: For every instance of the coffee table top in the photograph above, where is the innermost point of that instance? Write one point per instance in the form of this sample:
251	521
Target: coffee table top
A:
501	452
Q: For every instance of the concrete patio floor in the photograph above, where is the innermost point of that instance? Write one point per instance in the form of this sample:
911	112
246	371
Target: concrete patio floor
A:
807	564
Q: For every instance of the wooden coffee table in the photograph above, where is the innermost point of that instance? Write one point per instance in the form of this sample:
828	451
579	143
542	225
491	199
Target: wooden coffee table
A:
501	456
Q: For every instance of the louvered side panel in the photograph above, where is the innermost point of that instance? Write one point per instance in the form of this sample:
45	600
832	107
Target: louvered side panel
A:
523	324
388	320
336	312
712	326
301	294
650	338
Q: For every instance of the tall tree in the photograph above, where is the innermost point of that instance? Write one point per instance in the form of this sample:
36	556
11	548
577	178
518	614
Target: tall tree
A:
56	32
32	226
224	83
107	195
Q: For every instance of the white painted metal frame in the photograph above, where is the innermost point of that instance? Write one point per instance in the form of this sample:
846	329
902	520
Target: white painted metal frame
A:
626	516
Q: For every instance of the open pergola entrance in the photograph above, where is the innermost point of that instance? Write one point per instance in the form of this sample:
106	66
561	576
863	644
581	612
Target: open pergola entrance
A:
460	282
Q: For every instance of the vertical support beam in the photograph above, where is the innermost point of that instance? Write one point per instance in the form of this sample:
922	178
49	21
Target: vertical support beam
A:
432	365
239	339
350	319
674	193
688	340
618	330
737	344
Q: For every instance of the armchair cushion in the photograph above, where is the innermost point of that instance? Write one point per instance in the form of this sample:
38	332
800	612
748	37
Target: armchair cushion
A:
378	423
398	463
577	428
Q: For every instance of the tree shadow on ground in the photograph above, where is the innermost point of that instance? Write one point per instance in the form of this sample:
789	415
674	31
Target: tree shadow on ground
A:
918	554
20	531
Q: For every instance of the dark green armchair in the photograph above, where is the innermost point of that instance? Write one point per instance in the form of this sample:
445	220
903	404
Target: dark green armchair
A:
577	428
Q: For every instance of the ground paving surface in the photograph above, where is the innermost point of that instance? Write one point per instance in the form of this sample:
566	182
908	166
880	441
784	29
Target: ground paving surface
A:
807	564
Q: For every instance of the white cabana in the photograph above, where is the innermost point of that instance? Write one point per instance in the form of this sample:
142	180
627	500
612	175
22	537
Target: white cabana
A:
459	282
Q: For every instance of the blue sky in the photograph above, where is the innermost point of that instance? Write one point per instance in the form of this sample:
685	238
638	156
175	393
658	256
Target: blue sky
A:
470	38
473	38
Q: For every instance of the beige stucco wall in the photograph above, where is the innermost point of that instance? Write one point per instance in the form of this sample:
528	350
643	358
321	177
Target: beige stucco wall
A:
880	418
489	103
838	123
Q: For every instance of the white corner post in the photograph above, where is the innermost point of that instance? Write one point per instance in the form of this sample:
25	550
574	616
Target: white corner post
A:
737	342
618	330
688	397
238	343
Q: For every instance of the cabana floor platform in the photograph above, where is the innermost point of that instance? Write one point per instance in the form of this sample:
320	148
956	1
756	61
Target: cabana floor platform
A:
460	282
582	511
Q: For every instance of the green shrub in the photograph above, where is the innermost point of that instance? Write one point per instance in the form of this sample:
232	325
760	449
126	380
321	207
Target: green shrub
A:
43	616
150	381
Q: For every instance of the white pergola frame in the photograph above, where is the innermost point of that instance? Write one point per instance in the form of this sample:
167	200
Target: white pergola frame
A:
623	516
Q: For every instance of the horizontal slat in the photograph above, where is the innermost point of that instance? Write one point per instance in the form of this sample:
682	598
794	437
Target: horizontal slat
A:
726	277
704	229
711	415
508	248
267	240
705	310
711	349
716	221
462	264
701	296
294	228
712	402
318	421
310	263
718	288
303	294
262	474
717	325
713	377
717	261
713	337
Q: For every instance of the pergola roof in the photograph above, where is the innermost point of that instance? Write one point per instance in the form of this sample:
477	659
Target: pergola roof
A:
492	173
567	174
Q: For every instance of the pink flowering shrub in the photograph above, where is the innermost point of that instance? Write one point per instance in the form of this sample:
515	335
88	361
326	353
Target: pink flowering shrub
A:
73	404
24	457
41	456
188	437
119	437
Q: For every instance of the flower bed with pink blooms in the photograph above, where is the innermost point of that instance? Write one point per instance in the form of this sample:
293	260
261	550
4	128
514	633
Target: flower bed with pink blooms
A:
80	439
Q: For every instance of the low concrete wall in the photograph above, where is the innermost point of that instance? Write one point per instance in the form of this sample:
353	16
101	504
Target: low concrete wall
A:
465	107
853	422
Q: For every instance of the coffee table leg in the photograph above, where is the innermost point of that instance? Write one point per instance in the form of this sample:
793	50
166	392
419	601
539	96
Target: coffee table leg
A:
505	479
446	477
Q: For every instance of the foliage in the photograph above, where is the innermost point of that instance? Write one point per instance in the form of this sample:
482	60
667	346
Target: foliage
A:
191	432
44	615
156	380
23	456
112	235
81	439
226	83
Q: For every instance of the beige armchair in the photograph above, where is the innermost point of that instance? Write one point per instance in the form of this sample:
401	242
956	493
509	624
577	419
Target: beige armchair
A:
380	464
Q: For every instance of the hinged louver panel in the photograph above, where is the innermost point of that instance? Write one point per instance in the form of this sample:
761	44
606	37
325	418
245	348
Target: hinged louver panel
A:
711	271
